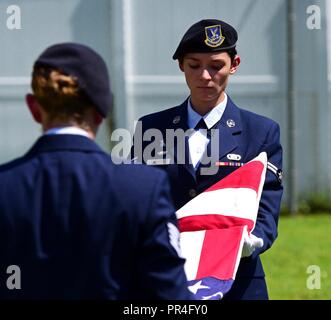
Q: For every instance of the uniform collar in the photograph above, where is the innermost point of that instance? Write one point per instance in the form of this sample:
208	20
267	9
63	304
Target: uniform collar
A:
210	118
67	130
64	142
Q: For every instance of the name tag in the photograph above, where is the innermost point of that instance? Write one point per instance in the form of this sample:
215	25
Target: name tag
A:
157	162
233	156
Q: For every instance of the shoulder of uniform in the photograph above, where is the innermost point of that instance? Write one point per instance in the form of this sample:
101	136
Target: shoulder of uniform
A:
255	116
13	164
257	121
160	115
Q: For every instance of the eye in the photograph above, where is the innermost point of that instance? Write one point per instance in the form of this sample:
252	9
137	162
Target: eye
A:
193	66
217	67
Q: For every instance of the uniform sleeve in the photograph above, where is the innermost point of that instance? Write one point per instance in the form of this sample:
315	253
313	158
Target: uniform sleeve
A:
161	267
268	214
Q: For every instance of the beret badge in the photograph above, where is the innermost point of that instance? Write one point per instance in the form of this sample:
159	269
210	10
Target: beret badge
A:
214	37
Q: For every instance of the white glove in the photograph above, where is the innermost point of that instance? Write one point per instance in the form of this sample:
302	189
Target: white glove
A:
250	243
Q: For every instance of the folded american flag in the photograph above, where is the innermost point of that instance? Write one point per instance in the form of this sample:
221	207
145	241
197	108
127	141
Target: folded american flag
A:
213	225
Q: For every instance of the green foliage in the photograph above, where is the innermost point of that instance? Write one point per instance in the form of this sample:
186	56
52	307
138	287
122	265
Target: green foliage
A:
316	202
311	203
284	210
303	241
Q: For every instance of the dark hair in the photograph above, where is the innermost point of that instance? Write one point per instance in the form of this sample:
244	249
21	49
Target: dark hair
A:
59	94
232	53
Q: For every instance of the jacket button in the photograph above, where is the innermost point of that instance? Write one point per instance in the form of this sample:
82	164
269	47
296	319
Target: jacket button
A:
192	193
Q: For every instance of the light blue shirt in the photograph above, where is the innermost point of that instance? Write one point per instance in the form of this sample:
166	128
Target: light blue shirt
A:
67	130
198	141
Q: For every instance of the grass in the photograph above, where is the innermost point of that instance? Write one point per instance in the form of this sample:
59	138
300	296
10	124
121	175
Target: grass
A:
302	241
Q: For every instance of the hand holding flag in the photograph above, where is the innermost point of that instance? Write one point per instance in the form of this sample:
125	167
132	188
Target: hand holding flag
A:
251	242
216	229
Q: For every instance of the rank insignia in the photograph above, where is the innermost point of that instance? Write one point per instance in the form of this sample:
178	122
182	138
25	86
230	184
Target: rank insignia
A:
277	172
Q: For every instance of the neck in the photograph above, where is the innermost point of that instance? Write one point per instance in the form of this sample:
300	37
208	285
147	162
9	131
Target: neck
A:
203	107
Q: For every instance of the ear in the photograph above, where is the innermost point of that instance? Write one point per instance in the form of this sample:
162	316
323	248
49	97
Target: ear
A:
235	64
181	65
98	118
34	107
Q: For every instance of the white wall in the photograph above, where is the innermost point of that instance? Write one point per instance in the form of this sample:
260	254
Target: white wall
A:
44	22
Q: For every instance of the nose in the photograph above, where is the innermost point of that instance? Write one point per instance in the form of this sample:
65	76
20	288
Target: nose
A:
205	75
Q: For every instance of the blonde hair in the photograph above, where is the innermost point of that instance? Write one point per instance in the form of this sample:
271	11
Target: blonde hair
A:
60	95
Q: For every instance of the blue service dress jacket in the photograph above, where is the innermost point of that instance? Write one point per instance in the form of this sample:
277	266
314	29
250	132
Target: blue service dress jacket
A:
242	136
80	227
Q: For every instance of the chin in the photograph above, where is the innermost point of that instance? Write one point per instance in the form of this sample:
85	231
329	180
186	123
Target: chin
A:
209	99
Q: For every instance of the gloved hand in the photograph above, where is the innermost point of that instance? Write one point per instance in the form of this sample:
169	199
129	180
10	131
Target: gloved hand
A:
250	243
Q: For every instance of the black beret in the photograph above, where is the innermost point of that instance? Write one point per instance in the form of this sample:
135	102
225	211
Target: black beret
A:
86	65
207	36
